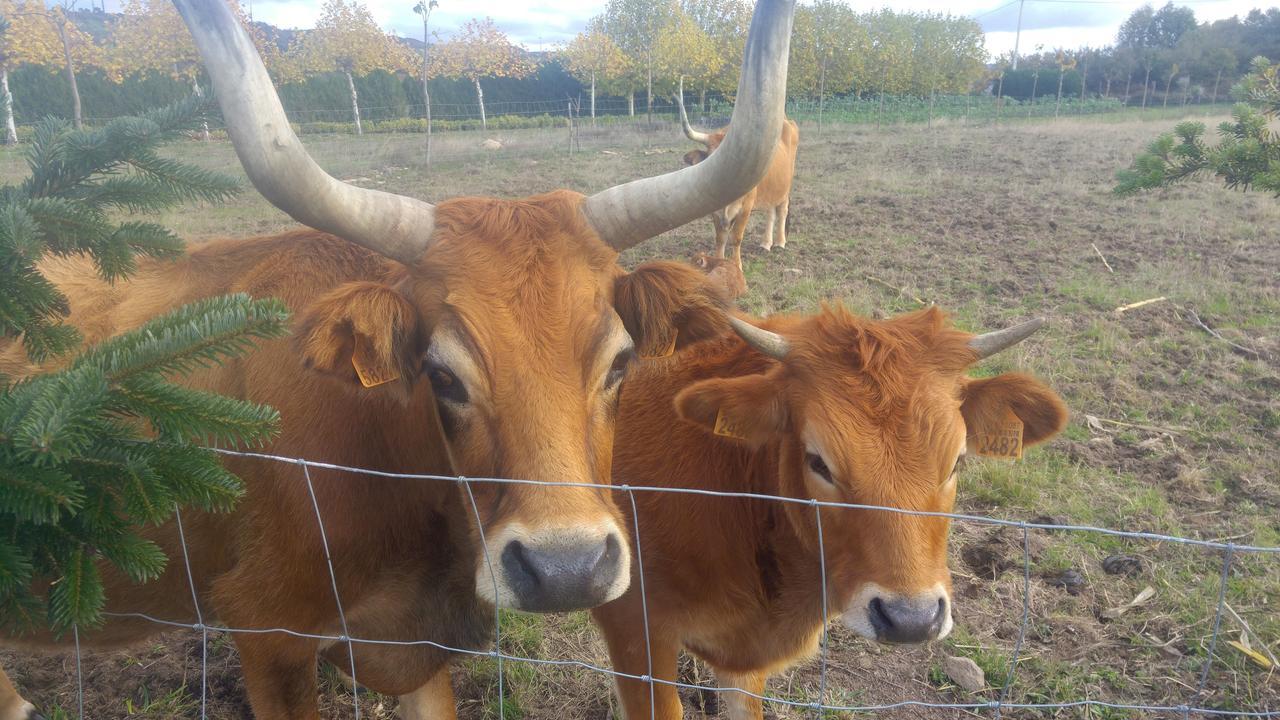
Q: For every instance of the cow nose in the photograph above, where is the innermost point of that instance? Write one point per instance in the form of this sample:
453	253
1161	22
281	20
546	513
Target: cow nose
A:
556	577
904	620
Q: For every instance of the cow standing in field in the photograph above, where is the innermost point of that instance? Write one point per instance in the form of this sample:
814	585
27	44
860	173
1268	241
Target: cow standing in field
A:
772	193
830	407
477	337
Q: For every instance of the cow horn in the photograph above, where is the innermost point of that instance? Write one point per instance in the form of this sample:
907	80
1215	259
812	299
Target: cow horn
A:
766	343
275	161
689	132
627	214
988	344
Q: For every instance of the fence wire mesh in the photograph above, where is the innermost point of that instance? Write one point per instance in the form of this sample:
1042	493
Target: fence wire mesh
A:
1189	708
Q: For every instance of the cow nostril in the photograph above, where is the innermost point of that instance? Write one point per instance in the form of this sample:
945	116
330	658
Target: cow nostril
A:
521	569
880	619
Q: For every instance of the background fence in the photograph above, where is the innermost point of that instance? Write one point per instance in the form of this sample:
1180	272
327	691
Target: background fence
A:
1226	552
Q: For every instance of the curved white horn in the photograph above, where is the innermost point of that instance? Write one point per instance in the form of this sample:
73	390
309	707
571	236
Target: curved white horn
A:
393	225
765	342
627	214
988	344
689	132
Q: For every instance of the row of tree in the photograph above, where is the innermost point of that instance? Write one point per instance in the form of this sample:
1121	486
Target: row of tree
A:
634	46
1163	52
649	45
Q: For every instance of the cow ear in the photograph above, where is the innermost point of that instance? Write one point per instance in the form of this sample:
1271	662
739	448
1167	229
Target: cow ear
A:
666	306
1005	412
363	332
693	157
747	409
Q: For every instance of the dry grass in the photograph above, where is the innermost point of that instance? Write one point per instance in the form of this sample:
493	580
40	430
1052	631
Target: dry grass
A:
994	224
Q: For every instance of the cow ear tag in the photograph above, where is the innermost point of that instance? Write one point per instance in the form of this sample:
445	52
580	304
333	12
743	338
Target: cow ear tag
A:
371	372
1005	442
726	428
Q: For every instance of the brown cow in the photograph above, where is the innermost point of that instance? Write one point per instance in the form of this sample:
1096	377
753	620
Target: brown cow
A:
772	193
522	323
830	407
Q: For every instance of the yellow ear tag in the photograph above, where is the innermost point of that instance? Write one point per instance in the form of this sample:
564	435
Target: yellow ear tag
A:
725	428
1005	442
368	369
671	347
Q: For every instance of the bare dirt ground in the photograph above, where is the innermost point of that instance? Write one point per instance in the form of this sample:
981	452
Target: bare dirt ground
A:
1174	430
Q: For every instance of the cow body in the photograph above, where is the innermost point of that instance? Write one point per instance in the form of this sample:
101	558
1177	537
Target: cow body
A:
772	194
406	553
864	412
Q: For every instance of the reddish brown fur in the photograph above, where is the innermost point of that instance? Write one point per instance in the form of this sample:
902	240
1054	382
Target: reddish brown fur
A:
772	193
527	279
736	581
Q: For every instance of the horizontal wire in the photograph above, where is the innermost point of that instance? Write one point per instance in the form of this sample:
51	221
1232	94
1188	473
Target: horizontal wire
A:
1132	534
992	705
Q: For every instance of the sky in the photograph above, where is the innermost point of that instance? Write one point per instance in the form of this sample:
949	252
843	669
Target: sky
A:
544	24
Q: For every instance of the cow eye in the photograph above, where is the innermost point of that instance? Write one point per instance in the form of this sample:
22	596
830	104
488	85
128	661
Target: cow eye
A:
818	467
445	384
618	370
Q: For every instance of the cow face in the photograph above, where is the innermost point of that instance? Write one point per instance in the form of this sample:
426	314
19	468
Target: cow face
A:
877	413
523	325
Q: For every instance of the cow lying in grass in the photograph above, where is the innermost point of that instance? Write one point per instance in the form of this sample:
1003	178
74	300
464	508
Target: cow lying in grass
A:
829	407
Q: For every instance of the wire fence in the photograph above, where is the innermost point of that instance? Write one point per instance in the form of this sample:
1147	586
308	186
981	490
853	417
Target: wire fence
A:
1191	706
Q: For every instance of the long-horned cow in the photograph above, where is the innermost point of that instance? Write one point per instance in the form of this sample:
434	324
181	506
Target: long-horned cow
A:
478	337
832	408
772	193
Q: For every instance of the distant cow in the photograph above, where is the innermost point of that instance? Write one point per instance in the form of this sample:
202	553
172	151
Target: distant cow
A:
772	193
830	407
478	337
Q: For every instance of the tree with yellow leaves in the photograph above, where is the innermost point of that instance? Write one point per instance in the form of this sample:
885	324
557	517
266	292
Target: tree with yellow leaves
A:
151	37
726	23
481	50
684	50
592	56
35	34
636	26
828	50
346	39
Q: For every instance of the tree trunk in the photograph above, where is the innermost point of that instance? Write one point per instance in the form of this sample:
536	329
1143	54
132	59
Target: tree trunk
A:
1035	80
702	99
71	75
1167	87
593	98
204	124
6	98
1146	85
880	112
426	91
1084	78
631	103
648	100
1107	93
1215	86
1128	84
484	122
1057	106
932	95
999	97
822	95
355	104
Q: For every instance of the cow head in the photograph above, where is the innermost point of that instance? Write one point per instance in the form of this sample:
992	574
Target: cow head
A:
877	413
515	312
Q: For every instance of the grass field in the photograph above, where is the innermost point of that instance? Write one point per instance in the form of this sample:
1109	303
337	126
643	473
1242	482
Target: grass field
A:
1174	429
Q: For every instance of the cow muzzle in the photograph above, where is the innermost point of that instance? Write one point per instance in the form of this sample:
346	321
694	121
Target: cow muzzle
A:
555	570
888	617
